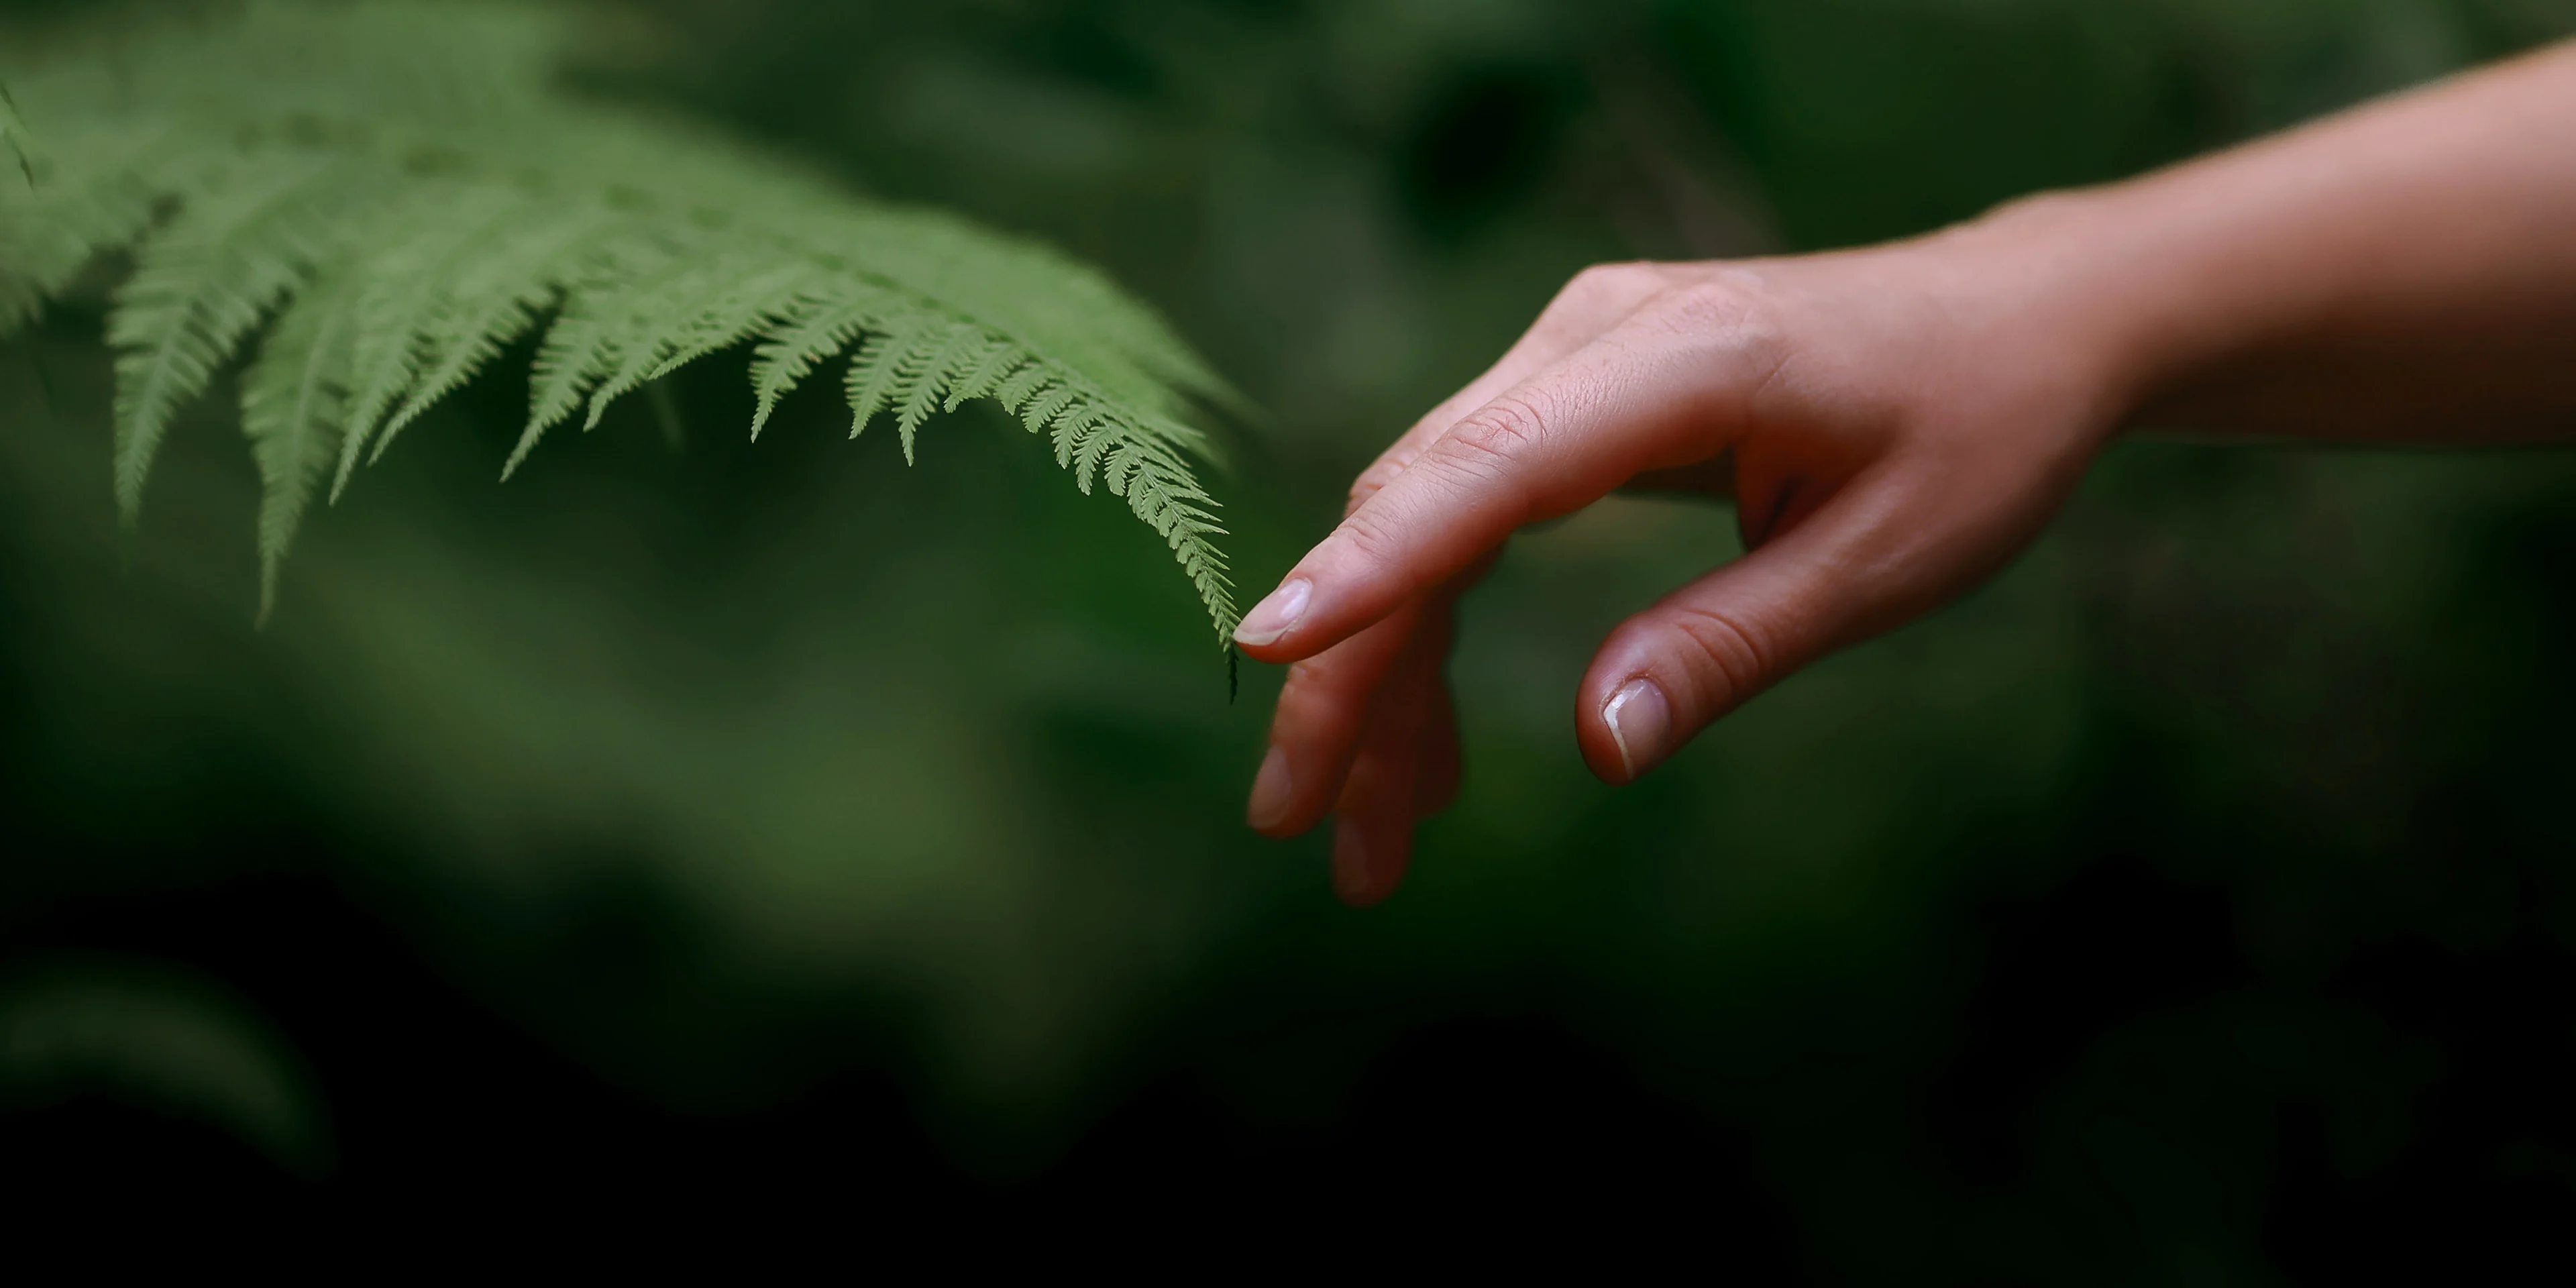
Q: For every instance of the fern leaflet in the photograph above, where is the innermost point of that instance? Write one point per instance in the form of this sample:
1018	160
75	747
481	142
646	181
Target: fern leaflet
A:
292	404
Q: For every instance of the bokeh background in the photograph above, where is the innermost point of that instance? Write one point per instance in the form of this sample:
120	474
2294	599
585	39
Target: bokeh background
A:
696	826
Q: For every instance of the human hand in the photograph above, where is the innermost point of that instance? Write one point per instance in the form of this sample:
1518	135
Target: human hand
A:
1894	425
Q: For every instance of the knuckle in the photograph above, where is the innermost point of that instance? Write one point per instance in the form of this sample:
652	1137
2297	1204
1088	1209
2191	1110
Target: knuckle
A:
1597	276
1709	303
1496	434
1728	657
1370	539
1761	336
1620	274
1374	480
1610	282
1729	312
1735	321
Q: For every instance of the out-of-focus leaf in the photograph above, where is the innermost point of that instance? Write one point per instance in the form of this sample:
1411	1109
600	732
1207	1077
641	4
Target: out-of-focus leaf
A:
161	1038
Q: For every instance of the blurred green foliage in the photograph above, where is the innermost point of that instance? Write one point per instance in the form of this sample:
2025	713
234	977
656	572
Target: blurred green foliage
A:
2189	868
162	1038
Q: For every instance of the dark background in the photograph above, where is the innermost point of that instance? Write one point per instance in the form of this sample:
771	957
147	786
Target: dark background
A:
777	831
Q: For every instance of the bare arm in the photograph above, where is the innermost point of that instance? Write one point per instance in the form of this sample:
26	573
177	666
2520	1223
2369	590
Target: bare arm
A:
2406	271
1897	422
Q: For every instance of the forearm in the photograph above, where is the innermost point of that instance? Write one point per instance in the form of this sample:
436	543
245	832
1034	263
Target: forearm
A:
2406	271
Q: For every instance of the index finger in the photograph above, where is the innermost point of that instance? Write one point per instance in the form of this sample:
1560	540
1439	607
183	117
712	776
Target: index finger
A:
1597	299
1646	395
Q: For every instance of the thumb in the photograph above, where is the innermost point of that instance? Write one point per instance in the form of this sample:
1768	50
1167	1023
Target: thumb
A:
1862	564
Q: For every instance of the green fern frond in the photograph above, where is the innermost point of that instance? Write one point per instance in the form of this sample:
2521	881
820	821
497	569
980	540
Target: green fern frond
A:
986	373
825	325
597	325
739	309
876	374
201	285
70	214
716	306
395	192
511	280
293	403
404	286
1023	385
941	361
13	135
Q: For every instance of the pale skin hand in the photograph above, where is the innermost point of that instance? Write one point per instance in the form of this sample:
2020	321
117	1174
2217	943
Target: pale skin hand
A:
1896	423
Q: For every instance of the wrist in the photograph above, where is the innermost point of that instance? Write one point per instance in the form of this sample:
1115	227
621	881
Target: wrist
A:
2346	278
2068	286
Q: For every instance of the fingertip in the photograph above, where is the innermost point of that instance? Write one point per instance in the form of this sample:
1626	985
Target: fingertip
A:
1593	738
1325	714
1600	756
1274	797
1639	719
1274	618
1292	625
1369	859
1633	709
1706	649
1350	864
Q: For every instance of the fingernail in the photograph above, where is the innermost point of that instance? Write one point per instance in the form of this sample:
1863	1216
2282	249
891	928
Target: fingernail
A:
1272	617
1269	793
1641	723
1350	864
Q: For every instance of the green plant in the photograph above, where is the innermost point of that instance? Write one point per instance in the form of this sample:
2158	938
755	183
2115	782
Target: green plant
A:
395	190
13	132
